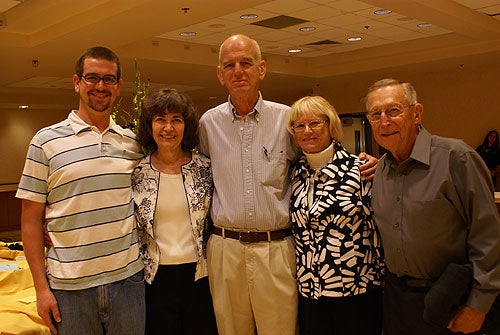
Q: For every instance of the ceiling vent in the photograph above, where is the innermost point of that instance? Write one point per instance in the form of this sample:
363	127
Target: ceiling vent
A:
324	42
279	22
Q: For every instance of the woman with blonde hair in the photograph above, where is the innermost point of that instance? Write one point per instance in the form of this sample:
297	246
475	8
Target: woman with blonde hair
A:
338	251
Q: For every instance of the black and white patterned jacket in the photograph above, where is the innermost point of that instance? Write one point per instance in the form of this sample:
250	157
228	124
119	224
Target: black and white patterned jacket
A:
198	184
338	247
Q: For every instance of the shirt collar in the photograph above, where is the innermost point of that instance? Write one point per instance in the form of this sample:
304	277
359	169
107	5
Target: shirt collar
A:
254	114
421	151
78	125
320	159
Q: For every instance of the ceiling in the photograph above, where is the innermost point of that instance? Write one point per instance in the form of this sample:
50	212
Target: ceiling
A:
41	39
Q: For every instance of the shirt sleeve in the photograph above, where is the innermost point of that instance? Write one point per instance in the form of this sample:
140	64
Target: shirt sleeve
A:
33	184
203	138
475	187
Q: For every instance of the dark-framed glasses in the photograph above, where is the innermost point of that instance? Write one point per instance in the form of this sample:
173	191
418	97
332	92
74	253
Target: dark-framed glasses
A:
107	79
313	125
390	112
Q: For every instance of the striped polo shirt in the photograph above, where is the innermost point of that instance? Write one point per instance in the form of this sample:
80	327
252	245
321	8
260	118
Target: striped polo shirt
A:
84	178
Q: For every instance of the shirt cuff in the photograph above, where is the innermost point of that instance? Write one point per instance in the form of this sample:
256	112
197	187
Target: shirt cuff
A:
482	299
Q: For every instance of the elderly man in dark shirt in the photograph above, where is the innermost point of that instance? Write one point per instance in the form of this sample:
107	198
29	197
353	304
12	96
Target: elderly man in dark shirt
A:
434	205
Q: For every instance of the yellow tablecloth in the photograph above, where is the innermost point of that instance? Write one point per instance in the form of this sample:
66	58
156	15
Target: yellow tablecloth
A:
17	317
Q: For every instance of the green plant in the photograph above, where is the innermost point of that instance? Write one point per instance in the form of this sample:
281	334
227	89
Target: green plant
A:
130	119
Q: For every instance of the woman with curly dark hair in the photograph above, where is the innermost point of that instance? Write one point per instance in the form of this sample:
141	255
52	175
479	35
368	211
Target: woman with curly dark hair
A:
172	188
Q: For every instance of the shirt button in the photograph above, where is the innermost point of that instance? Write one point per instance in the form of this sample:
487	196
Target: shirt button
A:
250	214
396	225
247	170
398	250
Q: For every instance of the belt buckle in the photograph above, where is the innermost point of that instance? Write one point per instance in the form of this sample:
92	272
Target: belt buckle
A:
243	240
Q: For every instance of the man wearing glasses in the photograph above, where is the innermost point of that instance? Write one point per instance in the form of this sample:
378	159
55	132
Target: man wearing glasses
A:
76	180
433	203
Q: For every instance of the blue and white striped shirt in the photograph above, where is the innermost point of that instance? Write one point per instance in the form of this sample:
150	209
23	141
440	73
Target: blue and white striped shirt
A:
84	178
251	162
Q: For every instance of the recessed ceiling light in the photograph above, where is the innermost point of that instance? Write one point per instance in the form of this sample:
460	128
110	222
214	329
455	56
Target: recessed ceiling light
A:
294	51
354	39
424	25
248	16
187	33
23	106
382	11
306	29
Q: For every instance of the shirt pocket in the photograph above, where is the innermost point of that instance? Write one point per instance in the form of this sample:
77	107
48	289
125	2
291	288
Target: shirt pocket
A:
272	168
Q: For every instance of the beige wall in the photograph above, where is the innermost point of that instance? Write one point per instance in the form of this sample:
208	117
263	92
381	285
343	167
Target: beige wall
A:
16	130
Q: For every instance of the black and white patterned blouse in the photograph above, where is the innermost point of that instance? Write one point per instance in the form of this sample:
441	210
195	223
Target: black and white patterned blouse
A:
338	248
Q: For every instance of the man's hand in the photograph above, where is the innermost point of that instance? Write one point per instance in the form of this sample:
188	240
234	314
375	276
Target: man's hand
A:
368	169
466	320
47	309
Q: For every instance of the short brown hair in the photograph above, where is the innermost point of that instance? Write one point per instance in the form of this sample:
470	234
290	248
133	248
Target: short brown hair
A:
98	53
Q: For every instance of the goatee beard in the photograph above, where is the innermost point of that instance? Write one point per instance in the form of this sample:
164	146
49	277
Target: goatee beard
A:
99	107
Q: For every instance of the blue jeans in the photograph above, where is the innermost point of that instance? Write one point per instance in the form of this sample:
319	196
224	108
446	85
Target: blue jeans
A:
115	309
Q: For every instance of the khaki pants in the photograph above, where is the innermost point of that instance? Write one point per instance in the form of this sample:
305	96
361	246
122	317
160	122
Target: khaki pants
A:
253	286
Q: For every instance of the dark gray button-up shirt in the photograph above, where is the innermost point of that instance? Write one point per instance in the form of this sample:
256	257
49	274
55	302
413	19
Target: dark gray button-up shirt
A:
438	207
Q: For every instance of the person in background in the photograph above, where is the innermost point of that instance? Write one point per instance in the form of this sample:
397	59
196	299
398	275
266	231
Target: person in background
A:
172	190
337	247
490	152
251	256
76	179
433	204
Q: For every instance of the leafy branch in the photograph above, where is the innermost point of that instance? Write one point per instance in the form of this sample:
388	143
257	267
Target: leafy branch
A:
130	119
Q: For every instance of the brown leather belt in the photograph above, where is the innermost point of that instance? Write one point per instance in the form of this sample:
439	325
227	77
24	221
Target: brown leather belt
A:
253	236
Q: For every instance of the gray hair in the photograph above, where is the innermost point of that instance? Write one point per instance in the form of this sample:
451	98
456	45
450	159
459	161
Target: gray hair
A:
256	46
408	89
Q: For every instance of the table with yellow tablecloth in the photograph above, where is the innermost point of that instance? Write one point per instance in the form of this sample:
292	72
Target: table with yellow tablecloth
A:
18	313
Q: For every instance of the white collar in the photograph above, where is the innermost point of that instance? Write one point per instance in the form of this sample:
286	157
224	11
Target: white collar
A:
320	159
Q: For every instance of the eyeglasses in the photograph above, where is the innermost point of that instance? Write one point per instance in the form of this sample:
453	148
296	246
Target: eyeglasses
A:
391	112
93	78
313	125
